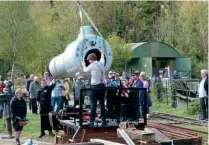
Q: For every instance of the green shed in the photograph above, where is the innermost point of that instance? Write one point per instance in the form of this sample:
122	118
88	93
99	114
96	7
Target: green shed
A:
155	57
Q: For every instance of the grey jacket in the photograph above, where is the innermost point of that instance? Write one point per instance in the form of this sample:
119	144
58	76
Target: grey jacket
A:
33	89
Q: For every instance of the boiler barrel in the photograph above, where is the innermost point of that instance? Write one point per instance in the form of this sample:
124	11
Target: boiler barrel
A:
70	61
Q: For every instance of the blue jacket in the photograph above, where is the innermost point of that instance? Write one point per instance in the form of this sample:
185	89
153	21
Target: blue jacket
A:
175	76
139	84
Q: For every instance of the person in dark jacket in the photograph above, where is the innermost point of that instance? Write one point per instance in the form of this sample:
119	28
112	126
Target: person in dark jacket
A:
19	112
146	84
44	101
27	88
175	75
137	84
203	94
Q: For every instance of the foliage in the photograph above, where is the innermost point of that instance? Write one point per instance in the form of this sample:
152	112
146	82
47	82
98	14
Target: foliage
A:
194	108
34	32
17	33
167	108
173	94
120	49
158	91
184	25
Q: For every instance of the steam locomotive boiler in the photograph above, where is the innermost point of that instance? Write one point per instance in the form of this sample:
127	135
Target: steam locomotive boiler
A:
70	61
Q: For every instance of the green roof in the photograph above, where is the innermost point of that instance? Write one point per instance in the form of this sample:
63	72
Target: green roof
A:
153	49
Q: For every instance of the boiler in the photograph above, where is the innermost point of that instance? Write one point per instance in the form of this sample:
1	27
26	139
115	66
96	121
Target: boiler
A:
70	61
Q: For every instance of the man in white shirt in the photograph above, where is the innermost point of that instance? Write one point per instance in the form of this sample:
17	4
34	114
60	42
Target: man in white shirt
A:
203	94
96	68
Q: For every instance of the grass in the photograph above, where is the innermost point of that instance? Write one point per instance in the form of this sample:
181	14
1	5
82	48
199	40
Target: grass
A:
32	130
166	108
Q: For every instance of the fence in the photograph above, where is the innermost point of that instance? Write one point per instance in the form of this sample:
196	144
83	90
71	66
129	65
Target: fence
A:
117	106
186	89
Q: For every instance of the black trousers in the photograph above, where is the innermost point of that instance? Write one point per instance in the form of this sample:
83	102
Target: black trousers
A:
65	101
204	107
76	102
30	104
34	105
45	125
97	93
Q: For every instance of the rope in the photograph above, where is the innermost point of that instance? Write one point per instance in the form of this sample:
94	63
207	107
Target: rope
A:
81	17
81	10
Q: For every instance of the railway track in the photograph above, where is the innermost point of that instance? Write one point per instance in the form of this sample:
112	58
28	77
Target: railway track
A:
170	127
175	132
178	119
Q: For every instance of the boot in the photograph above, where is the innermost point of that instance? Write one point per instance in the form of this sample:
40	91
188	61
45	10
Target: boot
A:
203	117
42	134
104	123
51	133
17	140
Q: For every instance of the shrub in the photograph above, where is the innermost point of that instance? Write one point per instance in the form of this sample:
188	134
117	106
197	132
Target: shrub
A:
194	108
173	95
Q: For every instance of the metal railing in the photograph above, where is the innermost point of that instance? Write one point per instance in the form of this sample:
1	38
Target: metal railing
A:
139	92
186	88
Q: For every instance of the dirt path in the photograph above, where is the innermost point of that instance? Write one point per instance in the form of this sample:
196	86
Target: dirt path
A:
45	141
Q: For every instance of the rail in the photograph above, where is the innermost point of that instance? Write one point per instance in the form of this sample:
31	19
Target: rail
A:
119	106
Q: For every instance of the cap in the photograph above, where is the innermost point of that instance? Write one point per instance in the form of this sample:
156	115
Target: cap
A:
136	72
110	72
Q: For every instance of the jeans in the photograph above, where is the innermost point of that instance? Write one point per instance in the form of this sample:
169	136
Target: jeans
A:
97	93
58	101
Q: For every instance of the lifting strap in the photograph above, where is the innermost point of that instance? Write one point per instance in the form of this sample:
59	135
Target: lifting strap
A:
81	10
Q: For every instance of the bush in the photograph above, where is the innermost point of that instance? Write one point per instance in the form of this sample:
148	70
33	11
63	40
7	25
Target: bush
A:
173	95
194	108
158	90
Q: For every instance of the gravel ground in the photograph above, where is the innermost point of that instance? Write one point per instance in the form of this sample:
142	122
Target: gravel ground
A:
44	141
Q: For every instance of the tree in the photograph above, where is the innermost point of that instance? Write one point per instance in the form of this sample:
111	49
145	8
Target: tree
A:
17	33
120	49
184	25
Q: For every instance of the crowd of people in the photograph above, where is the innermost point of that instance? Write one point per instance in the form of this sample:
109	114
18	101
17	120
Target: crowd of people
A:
49	93
43	96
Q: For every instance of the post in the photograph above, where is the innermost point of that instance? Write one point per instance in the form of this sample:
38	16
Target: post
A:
137	104
74	100
81	108
145	107
187	92
118	118
166	89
